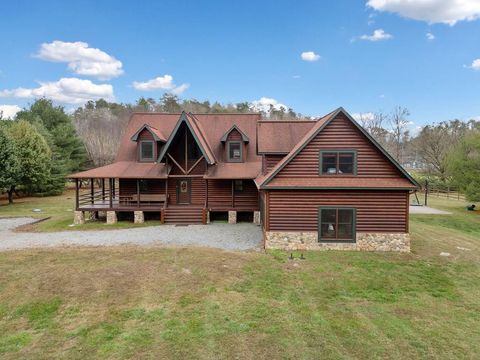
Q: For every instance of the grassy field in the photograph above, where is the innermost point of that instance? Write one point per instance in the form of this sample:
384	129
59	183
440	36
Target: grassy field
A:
185	303
59	211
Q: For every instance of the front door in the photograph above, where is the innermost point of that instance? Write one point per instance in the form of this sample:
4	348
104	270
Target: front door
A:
183	191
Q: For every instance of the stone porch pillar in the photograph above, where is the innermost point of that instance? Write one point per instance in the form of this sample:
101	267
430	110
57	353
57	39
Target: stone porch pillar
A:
78	218
256	217
138	217
111	217
232	217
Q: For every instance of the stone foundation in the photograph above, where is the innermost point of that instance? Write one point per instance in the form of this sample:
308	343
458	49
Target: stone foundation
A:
232	217
364	242
138	217
111	217
256	217
78	218
208	217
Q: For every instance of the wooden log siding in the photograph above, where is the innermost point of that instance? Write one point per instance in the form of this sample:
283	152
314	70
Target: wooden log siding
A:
269	161
340	134
198	191
377	211
248	198
219	194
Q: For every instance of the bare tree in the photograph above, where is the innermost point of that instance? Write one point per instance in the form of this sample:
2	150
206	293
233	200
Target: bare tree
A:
399	131
101	132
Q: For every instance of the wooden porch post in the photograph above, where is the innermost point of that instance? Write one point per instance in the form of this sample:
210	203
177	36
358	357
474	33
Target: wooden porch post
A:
91	190
77	200
206	193
233	193
166	193
113	187
103	189
110	190
138	193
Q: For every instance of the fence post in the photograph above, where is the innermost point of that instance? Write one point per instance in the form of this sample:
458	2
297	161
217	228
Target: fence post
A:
426	192
448	192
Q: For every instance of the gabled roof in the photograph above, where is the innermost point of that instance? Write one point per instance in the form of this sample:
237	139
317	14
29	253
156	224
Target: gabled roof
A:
234	127
312	133
197	133
280	136
157	134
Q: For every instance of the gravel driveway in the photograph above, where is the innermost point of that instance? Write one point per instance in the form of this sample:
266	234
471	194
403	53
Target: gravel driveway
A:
241	236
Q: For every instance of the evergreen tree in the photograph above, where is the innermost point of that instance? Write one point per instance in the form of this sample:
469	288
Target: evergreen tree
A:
64	140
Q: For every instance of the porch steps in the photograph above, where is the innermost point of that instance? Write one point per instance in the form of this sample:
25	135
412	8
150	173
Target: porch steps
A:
183	215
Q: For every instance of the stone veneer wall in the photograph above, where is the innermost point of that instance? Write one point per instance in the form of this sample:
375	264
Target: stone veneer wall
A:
365	242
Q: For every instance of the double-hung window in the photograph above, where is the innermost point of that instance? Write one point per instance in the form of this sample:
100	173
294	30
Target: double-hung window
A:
336	224
146	150
338	162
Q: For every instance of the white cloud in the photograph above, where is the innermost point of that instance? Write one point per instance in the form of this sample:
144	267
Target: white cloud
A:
296	76
430	36
9	111
363	117
264	103
161	82
377	35
65	91
475	64
81	59
309	56
432	11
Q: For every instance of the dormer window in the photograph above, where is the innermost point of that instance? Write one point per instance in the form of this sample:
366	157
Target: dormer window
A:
235	151
146	150
338	162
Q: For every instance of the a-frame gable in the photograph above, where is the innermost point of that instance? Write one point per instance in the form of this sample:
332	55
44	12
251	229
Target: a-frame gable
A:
285	167
199	138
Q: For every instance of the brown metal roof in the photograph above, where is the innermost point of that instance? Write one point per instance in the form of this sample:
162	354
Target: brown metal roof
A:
157	134
281	136
342	182
234	171
125	170
211	127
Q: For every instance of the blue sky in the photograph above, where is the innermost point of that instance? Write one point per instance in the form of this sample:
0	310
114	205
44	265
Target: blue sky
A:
234	51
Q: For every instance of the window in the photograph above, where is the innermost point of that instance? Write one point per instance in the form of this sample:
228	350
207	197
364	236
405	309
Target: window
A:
146	151
235	151
337	162
238	185
336	224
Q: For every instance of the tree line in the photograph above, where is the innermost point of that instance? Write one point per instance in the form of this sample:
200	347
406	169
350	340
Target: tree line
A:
44	143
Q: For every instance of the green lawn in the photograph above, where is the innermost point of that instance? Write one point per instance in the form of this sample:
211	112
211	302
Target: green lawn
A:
186	303
59	213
